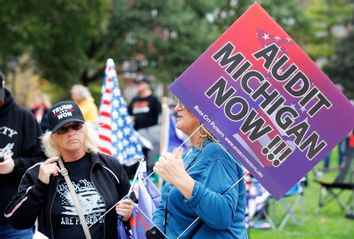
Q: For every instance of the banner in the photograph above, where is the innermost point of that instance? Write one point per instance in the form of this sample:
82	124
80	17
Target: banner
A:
266	101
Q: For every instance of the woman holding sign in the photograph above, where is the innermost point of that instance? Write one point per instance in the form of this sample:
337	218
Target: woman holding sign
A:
205	186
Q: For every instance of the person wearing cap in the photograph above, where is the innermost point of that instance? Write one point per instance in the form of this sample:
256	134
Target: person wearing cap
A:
19	149
99	181
145	107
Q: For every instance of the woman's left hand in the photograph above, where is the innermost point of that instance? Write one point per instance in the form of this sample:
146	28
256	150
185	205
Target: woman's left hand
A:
125	208
170	167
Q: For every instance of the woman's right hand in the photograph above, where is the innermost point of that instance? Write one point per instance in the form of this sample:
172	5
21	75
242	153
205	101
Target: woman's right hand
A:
48	168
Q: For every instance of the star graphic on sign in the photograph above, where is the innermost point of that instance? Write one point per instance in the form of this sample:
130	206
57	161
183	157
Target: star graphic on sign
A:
289	40
303	109
293	106
276	38
265	36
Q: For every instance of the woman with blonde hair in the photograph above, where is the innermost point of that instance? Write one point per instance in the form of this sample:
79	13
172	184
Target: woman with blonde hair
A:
71	201
204	196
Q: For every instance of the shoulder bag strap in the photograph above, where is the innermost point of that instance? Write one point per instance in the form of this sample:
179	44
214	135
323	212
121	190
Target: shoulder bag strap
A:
65	174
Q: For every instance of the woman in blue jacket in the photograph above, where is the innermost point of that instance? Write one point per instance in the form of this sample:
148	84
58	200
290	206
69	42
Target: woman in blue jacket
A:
199	185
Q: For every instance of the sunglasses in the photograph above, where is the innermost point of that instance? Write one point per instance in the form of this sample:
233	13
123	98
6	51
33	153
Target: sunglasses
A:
65	129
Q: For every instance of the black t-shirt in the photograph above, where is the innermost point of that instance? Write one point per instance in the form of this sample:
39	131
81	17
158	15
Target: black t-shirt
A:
66	223
145	111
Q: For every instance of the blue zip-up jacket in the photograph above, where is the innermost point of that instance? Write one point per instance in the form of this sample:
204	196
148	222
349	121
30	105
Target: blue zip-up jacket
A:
222	211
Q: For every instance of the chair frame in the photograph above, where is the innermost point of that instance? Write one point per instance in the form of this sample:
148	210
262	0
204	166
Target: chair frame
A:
333	191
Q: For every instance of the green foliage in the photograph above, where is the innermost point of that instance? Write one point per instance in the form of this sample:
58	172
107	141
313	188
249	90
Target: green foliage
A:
171	34
62	44
70	40
16	23
341	69
325	15
168	35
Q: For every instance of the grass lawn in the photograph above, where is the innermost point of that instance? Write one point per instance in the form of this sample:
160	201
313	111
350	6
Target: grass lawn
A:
330	222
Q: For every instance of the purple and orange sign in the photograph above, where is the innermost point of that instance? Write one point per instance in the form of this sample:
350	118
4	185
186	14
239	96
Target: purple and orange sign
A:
266	101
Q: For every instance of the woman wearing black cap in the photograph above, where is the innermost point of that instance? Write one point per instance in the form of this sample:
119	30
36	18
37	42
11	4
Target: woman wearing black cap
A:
98	180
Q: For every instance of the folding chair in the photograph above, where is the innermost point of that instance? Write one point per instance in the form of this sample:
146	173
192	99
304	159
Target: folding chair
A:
293	198
342	183
257	200
289	202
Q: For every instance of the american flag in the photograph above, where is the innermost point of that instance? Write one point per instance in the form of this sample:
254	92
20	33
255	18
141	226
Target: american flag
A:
117	136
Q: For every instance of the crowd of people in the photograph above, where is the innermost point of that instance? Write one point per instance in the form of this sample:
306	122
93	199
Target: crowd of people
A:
52	175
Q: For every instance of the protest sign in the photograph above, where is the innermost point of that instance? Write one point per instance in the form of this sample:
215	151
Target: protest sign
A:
266	101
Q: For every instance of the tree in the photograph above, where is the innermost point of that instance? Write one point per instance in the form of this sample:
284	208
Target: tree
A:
16	23
164	37
326	16
160	37
63	40
70	42
341	69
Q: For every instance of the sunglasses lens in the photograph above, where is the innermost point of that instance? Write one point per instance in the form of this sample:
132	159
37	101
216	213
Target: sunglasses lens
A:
62	130
76	126
65	129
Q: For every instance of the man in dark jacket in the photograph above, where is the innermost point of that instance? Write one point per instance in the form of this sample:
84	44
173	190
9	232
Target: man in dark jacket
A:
19	149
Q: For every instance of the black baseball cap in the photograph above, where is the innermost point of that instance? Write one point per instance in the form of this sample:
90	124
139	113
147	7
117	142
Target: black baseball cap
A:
62	113
142	79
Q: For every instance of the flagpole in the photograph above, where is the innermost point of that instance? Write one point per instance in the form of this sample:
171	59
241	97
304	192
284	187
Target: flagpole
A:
163	133
135	177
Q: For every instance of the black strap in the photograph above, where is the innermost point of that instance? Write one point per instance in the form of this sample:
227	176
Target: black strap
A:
200	223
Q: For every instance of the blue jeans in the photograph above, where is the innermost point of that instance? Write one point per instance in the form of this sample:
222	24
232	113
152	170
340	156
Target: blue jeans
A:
8	232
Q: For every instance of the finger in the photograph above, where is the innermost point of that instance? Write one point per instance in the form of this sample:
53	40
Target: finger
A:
51	160
7	157
52	169
126	201
156	170
125	206
177	152
123	211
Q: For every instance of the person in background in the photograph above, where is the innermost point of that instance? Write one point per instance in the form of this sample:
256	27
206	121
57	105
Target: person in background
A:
19	150
145	107
40	108
82	97
99	181
144	110
201	184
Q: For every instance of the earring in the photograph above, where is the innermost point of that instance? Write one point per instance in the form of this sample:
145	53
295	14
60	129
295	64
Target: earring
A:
202	132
